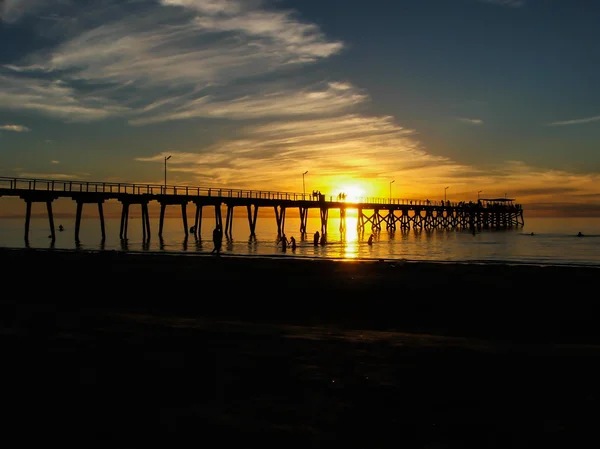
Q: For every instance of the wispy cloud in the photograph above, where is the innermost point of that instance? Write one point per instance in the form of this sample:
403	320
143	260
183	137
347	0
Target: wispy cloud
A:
345	149
54	98
176	59
55	162
354	150
13	10
576	121
15	128
73	176
471	121
314	100
510	3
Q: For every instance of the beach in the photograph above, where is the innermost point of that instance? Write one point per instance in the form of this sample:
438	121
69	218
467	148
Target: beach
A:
126	350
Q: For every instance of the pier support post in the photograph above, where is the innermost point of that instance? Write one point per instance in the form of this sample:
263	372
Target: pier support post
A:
405	221
360	221
324	216
218	216
198	220
124	221
342	220
280	218
27	220
145	210
184	216
252	219
51	219
161	219
229	221
102	226
303	219
145	223
391	220
78	219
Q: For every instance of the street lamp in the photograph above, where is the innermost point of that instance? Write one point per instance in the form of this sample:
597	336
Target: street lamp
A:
303	187
445	188
391	182
166	159
479	193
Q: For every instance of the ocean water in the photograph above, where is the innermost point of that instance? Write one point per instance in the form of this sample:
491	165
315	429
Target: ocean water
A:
554	241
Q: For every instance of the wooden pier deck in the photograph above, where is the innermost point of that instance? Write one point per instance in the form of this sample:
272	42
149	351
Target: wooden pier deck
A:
391	213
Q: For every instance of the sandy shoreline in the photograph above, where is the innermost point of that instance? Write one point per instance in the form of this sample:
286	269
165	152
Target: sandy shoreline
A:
499	300
123	350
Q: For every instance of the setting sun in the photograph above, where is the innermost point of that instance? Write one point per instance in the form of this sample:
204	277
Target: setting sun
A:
353	193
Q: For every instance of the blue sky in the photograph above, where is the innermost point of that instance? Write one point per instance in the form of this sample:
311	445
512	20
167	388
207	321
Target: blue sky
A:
479	95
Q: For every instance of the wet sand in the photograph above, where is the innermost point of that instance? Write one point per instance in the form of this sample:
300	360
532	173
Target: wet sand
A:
125	350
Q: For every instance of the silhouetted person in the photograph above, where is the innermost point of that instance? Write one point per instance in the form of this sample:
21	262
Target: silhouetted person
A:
293	243
284	242
316	238
580	235
370	241
61	228
217	239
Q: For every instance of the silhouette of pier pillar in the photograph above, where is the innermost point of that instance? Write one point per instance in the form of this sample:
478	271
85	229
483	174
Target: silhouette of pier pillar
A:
198	220
27	219
405	220
78	219
360	220
324	217
376	221
143	202
145	223
38	197
391	220
218	216
51	219
229	221
303	219
280	218
163	205
184	217
161	222
101	214
252	216
124	221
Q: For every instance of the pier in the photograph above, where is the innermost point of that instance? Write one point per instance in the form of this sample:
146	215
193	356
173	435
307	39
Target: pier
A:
376	213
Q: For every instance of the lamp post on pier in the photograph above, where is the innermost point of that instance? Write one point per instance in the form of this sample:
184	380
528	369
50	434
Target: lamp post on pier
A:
166	159
445	188
303	186
479	193
391	182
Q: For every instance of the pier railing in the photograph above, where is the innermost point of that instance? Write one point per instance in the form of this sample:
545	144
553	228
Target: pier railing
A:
69	186
72	186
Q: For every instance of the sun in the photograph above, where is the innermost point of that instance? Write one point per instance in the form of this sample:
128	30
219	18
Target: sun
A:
353	194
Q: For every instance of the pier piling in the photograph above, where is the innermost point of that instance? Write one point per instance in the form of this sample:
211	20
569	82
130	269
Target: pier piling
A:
51	219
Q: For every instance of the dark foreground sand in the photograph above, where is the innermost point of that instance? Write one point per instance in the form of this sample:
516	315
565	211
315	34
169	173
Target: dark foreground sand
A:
120	350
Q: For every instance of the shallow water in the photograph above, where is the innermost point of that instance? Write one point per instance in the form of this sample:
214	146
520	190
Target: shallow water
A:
554	240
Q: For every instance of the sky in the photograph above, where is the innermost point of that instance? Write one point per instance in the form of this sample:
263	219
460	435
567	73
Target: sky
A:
443	97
